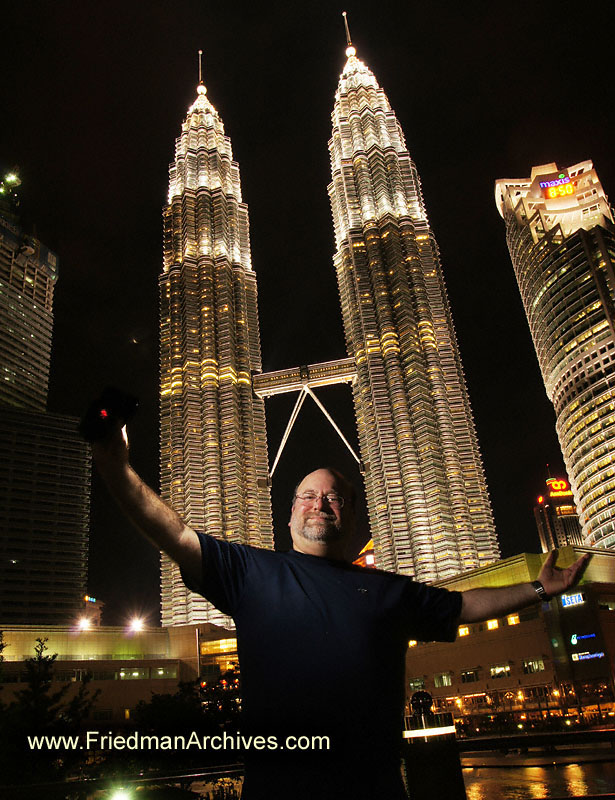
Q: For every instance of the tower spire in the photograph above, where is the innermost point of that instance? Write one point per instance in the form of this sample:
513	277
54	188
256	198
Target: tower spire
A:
350	50
201	88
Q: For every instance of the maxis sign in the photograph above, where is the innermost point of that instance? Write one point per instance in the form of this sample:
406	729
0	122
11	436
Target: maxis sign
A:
557	187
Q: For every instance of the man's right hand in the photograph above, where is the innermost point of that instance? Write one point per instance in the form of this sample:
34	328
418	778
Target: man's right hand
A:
111	453
145	509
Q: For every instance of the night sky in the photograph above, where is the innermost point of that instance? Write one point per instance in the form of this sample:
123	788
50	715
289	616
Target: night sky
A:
93	98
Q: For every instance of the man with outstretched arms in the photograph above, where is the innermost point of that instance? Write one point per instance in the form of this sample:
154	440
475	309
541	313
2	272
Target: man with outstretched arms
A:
321	642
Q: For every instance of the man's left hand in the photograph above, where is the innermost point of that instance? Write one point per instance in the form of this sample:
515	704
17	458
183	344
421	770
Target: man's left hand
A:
556	580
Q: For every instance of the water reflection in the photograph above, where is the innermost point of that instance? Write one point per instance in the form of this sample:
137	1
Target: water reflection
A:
538	787
577	785
530	783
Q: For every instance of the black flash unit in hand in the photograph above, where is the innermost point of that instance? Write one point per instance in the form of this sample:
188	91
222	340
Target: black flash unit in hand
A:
105	412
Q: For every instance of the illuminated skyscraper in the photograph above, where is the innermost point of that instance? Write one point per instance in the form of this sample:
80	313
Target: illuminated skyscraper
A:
556	516
559	229
213	441
428	504
28	273
44	463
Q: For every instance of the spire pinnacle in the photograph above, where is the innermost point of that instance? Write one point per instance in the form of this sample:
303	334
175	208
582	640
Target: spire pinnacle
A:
201	87
350	51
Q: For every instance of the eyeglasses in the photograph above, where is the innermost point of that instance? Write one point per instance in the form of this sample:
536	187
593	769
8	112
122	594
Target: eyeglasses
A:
333	499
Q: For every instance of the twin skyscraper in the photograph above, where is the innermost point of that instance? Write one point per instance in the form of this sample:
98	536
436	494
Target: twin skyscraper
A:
428	505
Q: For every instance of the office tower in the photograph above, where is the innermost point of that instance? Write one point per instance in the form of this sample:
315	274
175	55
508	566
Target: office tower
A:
214	469
559	229
44	518
28	273
556	517
44	464
428	504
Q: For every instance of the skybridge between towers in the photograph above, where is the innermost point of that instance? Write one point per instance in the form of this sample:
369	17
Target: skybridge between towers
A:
305	379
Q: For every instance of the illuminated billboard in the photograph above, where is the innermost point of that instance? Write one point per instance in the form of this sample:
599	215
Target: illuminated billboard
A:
557	187
558	487
572	599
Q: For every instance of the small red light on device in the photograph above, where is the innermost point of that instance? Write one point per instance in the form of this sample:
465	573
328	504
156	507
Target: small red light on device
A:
104	413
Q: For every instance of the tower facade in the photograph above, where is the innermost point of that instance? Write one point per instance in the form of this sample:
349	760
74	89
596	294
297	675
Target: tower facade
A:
44	519
427	498
44	463
560	234
556	516
28	274
214	469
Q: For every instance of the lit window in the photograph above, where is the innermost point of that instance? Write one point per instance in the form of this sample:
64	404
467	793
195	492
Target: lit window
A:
500	671
513	619
532	666
412	643
464	631
492	624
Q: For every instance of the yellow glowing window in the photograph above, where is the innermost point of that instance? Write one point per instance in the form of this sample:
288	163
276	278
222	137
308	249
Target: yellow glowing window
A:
492	624
513	619
412	643
464	631
218	646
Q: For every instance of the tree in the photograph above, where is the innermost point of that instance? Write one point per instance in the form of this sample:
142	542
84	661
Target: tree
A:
38	711
222	700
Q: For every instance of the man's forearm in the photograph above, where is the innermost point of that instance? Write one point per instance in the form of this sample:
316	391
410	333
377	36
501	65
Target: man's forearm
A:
482	604
144	508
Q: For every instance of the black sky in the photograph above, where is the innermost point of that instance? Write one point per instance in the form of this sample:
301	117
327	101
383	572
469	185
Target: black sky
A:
94	96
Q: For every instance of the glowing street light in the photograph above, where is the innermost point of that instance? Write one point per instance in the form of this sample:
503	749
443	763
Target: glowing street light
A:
136	624
84	624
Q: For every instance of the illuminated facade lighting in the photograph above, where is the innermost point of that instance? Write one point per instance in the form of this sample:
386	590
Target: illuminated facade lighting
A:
44	463
562	248
213	440
429	509
556	516
28	274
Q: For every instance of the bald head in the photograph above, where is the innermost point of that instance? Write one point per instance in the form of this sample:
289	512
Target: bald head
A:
349	493
319	525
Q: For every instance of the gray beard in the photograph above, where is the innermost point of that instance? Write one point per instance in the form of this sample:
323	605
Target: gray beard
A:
321	530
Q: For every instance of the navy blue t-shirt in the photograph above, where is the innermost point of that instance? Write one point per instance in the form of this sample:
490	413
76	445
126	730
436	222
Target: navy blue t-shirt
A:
322	643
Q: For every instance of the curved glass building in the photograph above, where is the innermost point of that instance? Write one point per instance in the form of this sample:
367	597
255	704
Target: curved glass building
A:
559	229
